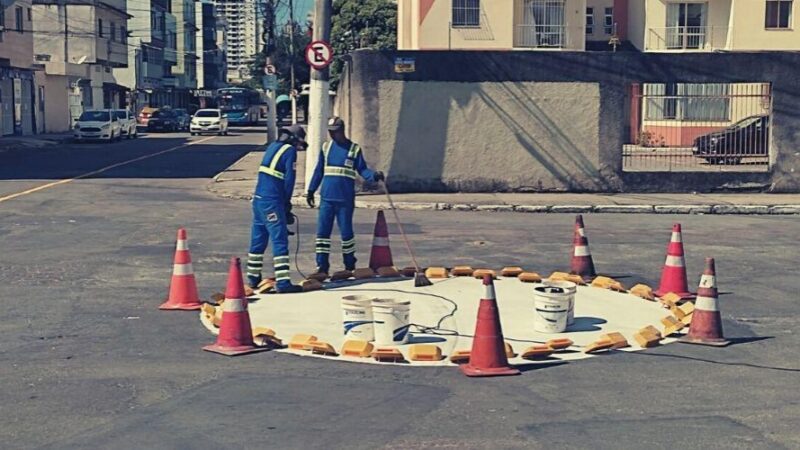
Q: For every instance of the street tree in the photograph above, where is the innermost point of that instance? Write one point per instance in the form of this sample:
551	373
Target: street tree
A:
359	24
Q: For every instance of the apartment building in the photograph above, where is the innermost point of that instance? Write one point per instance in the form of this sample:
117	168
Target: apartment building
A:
713	25
17	87
151	54
242	34
210	43
78	44
185	71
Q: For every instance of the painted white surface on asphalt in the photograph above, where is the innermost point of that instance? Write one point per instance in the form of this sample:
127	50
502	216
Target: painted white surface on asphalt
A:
597	311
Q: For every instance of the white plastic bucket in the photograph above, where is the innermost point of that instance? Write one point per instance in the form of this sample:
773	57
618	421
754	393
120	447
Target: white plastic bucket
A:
357	317
551	308
571	288
391	321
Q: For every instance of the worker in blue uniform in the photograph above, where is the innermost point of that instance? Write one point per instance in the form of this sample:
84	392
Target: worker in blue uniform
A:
339	162
272	209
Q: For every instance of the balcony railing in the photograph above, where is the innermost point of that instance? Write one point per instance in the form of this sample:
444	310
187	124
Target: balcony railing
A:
701	39
546	37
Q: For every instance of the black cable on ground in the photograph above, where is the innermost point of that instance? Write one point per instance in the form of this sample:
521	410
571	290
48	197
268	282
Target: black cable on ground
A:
297	246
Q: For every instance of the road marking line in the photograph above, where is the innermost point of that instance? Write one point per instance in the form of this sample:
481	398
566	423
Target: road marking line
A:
95	172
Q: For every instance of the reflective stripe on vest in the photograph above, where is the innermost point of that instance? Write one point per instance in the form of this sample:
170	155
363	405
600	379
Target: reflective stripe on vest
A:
338	171
271	170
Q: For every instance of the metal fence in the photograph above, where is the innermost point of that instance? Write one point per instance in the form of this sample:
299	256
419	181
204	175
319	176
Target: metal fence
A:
708	127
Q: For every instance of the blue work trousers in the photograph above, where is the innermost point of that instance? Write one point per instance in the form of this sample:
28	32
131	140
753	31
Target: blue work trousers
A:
269	221
342	212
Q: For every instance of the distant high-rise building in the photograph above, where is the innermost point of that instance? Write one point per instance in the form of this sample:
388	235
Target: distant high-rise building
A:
242	36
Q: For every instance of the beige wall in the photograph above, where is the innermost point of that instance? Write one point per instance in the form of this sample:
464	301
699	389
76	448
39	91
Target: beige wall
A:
17	47
425	25
749	32
56	88
599	19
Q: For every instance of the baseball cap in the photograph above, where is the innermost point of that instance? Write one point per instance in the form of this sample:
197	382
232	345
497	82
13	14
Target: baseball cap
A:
335	123
297	131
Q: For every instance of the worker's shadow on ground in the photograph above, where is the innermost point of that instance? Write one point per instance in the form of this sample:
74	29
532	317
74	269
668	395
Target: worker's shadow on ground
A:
527	367
586	324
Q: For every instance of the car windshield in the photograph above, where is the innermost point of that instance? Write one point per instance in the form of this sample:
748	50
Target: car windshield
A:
747	122
94	116
120	114
206	113
161	114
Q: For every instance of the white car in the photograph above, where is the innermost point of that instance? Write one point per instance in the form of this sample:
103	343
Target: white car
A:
127	123
209	121
101	124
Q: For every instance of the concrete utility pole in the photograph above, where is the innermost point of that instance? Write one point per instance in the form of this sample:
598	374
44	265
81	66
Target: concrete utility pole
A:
318	99
269	49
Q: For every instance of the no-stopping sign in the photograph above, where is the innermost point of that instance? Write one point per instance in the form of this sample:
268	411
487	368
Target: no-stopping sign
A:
319	54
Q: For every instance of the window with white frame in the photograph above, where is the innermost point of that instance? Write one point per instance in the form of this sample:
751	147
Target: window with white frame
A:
779	14
466	13
608	21
589	20
687	101
542	24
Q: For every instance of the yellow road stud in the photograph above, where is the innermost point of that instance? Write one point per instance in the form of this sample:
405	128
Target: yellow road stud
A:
559	344
311	285
670	299
480	273
643	291
388	355
509	350
511	272
217	319
341	275
671	325
263	331
538	351
436	272
599	346
208	310
322	348
530	277
687	320
302	341
558	276
388	272
646	340
577	279
651	330
616	338
357	348
218	297
462	271
425	352
363	273
687	308
319	276
460	357
265	340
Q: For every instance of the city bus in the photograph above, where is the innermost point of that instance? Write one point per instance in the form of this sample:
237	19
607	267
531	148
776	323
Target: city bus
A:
241	105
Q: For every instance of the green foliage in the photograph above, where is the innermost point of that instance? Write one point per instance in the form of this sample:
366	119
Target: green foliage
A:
361	24
283	61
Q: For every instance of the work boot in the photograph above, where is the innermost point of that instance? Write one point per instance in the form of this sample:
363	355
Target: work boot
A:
319	275
253	282
286	287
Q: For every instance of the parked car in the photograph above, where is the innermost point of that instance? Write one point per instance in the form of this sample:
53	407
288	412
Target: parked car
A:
184	119
144	115
99	124
163	120
209	121
747	137
127	123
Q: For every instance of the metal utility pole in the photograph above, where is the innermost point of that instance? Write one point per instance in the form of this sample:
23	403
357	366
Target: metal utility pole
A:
318	99
291	62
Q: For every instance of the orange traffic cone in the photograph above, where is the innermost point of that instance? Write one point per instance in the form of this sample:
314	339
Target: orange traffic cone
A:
381	255
673	277
182	287
488	356
706	325
235	333
582	263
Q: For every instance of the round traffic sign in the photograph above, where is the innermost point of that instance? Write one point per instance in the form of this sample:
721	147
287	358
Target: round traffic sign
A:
269	69
319	54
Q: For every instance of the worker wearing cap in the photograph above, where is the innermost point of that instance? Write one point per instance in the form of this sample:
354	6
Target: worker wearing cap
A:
272	209
339	162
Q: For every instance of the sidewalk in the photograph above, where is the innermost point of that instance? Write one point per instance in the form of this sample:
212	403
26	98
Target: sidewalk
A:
238	182
8	143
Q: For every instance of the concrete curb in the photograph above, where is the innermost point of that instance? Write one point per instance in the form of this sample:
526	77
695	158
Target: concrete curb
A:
723	209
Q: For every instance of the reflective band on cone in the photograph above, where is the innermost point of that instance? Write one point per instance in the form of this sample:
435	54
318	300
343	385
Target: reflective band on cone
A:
675	261
582	251
380	241
182	269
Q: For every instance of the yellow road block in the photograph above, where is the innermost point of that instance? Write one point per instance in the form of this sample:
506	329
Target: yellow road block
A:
538	351
559	344
530	277
599	346
363	273
263	331
409	271
388	272
648	336
670	299
341	275
322	348
687	319
436	272
319	276
311	285
462	271
302	341
425	352
617	339
480	273
671	325
388	355
608	283
643	291
357	348
512	271
460	357
509	350
558	276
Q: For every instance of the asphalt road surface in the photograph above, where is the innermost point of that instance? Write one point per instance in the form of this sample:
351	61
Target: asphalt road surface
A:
88	361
